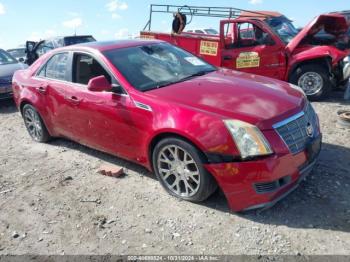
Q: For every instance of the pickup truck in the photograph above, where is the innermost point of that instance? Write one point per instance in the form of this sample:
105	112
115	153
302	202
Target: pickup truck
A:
267	44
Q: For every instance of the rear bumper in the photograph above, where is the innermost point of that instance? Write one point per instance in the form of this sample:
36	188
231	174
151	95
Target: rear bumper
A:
261	184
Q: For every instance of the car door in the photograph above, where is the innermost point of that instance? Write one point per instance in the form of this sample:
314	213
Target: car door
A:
52	80
98	119
250	48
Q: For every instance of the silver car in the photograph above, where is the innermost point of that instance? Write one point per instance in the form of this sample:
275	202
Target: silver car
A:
8	66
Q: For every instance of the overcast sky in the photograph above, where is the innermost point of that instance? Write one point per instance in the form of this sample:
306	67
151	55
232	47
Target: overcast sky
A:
111	19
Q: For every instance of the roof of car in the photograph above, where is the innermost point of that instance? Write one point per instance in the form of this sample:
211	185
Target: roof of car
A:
108	45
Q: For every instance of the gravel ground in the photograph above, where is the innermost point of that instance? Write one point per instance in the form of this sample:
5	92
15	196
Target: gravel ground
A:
52	201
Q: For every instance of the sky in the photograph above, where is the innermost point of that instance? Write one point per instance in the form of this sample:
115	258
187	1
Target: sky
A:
22	20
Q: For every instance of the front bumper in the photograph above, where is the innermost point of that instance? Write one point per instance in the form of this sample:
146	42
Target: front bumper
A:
239	180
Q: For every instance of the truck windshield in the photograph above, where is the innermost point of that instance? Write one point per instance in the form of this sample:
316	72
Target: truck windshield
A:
156	65
6	58
283	27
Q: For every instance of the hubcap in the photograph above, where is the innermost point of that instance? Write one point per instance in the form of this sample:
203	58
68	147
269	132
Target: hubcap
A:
311	83
33	124
178	171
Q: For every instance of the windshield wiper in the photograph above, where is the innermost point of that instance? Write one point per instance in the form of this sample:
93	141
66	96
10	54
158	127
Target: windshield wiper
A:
199	73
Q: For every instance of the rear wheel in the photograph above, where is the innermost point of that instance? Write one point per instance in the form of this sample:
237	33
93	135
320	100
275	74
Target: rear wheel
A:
179	168
314	80
34	124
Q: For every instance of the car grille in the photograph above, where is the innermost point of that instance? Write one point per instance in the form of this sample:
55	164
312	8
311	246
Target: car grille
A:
6	80
298	130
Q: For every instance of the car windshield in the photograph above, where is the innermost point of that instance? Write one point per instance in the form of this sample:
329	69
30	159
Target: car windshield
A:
17	53
156	65
73	40
6	58
283	27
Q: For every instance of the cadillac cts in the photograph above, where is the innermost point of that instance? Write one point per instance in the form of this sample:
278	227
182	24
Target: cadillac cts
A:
196	126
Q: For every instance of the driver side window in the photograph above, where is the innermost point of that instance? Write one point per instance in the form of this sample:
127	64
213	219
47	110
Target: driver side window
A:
250	35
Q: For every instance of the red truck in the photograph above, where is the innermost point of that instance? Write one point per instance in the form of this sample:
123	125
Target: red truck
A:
267	44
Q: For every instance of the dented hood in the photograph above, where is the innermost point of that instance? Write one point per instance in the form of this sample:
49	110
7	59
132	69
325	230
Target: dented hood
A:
333	24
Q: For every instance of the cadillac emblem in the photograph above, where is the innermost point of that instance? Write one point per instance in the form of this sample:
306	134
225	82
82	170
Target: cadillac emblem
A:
309	130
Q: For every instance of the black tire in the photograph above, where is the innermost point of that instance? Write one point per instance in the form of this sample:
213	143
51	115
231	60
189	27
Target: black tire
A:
37	135
321	71
207	184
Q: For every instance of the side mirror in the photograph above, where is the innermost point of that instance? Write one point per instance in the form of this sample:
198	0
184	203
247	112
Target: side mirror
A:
99	84
21	59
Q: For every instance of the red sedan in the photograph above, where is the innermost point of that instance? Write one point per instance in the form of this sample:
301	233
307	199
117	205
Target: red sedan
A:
196	126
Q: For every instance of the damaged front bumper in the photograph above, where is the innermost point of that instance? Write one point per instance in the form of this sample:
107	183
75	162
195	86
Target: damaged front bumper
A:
262	183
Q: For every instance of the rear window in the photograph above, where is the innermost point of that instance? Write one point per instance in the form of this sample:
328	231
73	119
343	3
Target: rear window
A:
78	40
56	67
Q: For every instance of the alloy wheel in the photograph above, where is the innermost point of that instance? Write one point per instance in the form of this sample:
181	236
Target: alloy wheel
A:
178	171
33	124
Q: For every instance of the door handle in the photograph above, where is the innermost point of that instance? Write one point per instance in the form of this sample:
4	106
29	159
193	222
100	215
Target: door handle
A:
73	99
227	57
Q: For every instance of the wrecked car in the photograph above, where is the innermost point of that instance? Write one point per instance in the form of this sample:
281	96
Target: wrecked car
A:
197	127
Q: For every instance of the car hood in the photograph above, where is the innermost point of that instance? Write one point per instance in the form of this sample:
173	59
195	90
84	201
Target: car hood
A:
333	24
9	69
235	95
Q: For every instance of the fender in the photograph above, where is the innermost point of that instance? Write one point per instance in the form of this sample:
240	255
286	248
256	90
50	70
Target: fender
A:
331	55
201	136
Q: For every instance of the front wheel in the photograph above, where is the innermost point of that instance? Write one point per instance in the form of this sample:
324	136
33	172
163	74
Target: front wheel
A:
179	168
314	80
34	124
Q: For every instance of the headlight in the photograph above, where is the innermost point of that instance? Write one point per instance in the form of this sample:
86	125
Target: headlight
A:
248	138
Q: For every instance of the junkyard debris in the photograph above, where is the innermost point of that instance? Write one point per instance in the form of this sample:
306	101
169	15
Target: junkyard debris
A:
111	170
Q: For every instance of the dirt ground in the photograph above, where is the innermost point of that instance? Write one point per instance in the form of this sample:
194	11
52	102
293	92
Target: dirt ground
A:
52	201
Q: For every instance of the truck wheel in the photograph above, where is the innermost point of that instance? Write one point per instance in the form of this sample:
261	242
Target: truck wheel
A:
34	124
179	168
314	80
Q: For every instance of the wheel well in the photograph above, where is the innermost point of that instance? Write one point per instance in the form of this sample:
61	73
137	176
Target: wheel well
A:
162	136
23	103
324	61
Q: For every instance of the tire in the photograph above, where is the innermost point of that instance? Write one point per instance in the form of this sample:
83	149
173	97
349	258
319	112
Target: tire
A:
314	80
190	187
34	124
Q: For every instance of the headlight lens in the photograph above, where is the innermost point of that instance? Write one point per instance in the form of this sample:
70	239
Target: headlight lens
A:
248	138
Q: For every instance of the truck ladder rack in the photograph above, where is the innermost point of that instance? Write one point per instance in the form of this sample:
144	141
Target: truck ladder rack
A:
221	12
